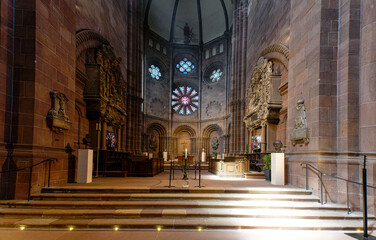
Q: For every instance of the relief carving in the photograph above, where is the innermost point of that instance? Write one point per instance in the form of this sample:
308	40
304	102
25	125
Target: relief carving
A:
300	133
213	109
215	143
57	118
158	108
258	94
153	142
106	91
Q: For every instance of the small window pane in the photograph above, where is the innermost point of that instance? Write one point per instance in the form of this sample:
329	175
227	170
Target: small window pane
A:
164	51
214	51
158	47
221	48
150	42
207	54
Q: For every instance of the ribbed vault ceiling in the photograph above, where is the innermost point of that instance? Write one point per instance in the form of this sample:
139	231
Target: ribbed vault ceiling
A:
167	18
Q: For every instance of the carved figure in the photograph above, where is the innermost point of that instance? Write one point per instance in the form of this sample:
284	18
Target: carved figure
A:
187	31
300	133
277	146
215	143
153	142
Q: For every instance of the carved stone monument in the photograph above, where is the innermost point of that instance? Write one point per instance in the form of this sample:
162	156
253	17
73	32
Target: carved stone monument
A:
263	100
105	94
57	118
300	133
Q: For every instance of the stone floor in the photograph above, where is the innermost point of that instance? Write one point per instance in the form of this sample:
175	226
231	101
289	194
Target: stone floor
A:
209	182
181	235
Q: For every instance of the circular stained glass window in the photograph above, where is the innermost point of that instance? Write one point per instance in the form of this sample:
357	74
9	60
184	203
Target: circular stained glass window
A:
155	72
184	100
216	75
185	66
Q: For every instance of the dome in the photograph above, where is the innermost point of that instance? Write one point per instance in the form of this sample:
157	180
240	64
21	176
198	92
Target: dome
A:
180	21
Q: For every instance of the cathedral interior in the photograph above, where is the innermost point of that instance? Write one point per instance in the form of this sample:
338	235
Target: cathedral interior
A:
141	85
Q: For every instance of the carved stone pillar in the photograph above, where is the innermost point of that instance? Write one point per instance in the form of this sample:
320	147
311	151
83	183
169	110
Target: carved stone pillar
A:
250	145
263	138
104	131
119	138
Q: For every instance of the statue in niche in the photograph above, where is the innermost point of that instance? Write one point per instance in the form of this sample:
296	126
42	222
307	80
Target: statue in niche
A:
153	142
215	143
300	133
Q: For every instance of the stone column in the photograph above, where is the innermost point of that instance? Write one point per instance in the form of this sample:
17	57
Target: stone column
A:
263	138
368	77
119	138
104	131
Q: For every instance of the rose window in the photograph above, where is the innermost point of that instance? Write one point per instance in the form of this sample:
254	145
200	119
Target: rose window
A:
185	66
155	72
216	75
184	100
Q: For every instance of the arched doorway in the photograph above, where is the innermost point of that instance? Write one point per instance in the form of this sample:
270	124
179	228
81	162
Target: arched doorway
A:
184	137
213	140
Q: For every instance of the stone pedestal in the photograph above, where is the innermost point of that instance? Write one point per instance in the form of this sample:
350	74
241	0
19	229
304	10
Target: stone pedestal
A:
85	166
278	168
165	158
203	157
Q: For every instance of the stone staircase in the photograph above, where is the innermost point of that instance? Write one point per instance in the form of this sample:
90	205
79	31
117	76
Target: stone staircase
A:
176	208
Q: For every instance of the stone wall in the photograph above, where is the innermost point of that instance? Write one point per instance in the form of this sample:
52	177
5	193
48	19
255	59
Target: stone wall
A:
45	61
330	57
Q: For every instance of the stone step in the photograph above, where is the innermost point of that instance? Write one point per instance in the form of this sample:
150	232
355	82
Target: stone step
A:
131	204
185	223
254	175
96	189
179	213
170	196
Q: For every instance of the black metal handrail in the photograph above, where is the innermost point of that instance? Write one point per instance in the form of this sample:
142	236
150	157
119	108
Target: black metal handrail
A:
196	166
49	160
364	184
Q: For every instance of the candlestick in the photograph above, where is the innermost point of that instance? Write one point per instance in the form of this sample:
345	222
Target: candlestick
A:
186	153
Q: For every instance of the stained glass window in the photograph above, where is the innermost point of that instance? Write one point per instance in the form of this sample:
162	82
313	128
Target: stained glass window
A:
155	72
184	100
216	75
185	66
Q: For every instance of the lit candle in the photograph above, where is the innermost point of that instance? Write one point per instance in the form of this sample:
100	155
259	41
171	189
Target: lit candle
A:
186	153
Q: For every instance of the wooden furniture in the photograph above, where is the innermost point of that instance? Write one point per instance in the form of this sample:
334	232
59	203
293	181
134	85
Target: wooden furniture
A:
256	162
141	166
112	164
121	164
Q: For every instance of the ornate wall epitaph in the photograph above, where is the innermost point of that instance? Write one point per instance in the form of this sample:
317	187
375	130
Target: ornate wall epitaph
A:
258	95
300	133
57	118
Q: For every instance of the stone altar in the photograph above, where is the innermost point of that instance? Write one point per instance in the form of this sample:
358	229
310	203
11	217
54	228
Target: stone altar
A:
229	167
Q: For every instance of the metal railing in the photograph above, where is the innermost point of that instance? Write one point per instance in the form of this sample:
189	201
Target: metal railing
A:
364	184
185	168
49	160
